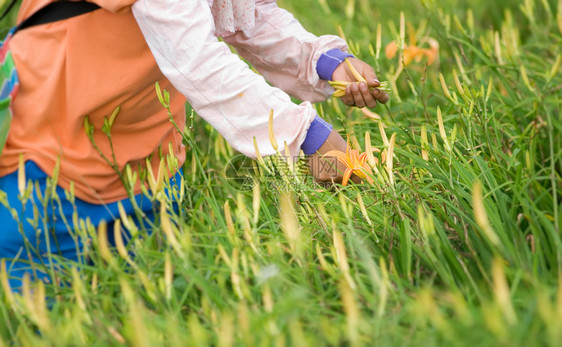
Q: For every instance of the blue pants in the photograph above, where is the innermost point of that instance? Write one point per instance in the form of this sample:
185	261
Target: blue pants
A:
34	236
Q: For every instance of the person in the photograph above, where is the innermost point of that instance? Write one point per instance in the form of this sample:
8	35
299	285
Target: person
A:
80	69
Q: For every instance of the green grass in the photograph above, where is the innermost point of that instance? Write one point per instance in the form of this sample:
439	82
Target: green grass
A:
462	248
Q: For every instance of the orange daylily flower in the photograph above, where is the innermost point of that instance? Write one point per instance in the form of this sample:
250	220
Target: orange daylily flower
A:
415	53
355	162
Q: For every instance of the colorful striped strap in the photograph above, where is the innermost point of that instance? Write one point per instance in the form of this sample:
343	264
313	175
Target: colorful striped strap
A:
10	84
8	74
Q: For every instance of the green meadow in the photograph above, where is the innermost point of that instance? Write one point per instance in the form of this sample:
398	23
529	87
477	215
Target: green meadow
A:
453	240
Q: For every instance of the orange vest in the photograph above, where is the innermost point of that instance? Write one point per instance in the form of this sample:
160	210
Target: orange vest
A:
87	66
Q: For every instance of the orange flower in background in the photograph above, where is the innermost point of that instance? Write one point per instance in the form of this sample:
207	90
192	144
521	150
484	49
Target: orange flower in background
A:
415	53
355	162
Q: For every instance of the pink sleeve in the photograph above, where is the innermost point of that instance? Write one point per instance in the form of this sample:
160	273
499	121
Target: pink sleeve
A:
285	53
218	85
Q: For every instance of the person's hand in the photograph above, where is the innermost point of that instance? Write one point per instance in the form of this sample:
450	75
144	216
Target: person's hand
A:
360	94
328	169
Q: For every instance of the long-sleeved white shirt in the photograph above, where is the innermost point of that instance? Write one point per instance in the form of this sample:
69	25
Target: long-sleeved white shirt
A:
221	88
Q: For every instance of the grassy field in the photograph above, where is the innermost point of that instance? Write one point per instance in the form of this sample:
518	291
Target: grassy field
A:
456	241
